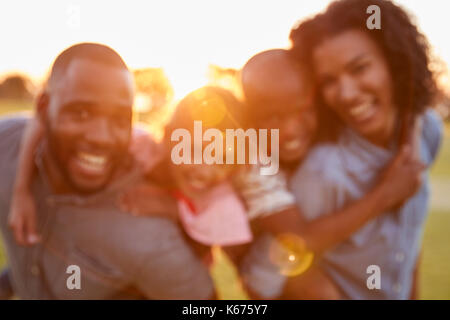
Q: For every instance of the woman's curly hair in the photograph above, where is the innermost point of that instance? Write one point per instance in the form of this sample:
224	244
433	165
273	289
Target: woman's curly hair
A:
404	47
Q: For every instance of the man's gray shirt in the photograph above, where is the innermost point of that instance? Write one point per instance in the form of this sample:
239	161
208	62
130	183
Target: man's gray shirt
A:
116	252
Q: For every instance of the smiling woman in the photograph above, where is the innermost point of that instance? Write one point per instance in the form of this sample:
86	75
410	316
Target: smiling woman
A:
370	83
356	84
361	71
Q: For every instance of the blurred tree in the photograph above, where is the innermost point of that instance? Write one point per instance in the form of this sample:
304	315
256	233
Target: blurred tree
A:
153	89
443	102
227	78
154	94
17	87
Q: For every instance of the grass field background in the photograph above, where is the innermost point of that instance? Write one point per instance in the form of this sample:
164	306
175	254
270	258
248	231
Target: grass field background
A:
435	263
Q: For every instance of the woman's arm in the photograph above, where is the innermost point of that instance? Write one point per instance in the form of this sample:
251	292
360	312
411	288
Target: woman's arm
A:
22	216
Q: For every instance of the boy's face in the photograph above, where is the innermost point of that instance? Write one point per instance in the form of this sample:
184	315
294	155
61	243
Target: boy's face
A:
294	114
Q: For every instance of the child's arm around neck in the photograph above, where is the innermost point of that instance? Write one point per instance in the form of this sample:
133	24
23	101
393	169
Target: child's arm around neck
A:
22	215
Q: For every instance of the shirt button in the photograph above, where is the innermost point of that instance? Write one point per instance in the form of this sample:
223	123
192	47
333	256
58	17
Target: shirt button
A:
35	270
399	256
397	288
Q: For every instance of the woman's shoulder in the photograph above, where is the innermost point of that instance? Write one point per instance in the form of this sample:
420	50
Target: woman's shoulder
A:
322	157
324	163
432	132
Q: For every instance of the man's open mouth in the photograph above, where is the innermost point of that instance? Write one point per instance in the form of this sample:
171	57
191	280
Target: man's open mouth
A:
92	164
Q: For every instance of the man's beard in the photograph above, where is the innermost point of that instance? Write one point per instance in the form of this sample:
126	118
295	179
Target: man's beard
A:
53	153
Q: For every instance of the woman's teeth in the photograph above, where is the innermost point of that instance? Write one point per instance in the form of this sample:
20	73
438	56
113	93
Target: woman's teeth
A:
91	163
363	111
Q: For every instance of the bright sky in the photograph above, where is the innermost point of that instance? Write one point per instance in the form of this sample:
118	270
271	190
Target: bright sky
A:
183	37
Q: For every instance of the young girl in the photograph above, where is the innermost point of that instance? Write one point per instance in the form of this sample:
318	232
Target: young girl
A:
209	209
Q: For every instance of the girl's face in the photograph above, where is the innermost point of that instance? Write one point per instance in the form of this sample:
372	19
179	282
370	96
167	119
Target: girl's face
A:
194	180
355	82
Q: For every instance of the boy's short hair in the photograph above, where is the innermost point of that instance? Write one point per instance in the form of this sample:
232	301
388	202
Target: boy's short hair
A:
266	78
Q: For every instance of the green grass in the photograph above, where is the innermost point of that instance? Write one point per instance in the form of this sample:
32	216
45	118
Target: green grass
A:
8	106
2	255
11	107
435	264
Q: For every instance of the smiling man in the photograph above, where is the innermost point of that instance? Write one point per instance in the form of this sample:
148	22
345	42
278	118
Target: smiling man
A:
82	165
86	112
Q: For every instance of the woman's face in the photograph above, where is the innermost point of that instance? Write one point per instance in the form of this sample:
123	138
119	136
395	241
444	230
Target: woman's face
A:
355	82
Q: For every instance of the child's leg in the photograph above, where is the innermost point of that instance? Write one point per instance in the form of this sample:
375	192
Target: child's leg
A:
235	253
6	290
225	273
314	284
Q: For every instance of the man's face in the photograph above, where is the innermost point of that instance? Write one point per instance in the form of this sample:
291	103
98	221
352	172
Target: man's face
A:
88	123
294	114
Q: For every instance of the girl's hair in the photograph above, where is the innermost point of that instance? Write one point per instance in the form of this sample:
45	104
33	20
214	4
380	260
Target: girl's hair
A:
215	107
405	49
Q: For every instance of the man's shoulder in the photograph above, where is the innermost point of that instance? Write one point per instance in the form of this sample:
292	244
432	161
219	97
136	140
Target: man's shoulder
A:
11	129
12	123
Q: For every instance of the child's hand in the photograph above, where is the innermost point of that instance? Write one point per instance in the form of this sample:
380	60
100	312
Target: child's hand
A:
148	200
145	150
22	218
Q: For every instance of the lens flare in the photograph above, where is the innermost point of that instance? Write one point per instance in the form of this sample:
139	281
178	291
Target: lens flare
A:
211	109
290	254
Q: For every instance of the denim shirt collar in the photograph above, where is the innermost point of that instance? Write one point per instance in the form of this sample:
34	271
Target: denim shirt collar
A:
370	156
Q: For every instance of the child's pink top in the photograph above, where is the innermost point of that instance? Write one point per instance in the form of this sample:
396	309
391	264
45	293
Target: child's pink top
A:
221	221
